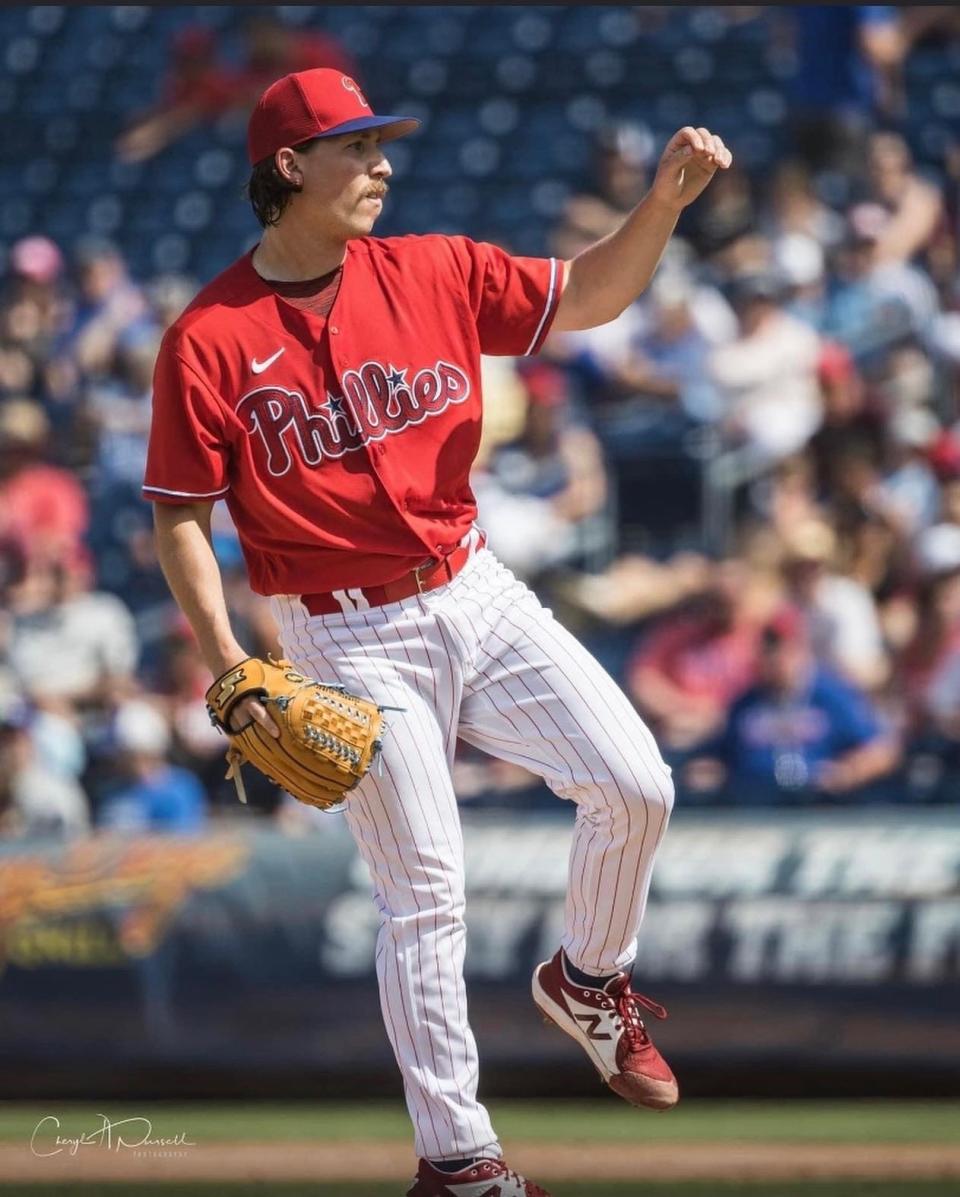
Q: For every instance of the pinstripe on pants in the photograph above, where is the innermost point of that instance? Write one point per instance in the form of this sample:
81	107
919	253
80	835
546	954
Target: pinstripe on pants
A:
481	659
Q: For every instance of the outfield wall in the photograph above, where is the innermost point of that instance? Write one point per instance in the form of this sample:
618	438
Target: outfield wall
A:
787	946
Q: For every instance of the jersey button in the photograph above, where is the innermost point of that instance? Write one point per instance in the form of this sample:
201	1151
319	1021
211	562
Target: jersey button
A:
334	329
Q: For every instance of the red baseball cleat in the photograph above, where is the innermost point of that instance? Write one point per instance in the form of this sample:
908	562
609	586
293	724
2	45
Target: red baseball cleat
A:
485	1178
607	1025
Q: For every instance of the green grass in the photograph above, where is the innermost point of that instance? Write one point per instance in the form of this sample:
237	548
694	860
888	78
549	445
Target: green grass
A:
913	1188
602	1121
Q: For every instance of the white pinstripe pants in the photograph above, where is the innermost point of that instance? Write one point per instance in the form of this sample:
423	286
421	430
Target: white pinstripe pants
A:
480	658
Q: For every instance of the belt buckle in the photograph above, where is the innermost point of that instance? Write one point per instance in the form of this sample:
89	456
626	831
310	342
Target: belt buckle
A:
416	573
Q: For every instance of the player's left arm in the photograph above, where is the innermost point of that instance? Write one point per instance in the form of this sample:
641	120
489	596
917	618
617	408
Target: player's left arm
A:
605	279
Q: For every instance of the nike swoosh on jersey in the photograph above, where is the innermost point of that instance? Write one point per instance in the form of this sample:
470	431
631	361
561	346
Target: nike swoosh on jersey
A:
259	367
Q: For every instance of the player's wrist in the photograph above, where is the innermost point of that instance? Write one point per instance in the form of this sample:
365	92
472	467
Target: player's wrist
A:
222	659
670	205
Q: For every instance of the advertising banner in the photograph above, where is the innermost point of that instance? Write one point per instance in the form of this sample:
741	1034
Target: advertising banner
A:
795	939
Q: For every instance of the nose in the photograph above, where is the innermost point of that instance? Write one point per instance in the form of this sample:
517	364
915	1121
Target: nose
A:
381	168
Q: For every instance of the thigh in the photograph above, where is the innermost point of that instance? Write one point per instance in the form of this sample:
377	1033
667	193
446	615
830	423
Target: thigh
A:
403	813
542	700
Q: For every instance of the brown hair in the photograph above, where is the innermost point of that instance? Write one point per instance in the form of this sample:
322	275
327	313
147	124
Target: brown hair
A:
268	192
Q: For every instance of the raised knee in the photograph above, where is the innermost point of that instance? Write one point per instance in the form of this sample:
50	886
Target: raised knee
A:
650	791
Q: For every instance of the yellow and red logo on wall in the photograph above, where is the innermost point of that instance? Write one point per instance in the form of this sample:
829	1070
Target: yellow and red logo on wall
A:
105	901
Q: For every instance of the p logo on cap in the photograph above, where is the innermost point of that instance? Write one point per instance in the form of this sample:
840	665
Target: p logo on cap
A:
316	103
349	84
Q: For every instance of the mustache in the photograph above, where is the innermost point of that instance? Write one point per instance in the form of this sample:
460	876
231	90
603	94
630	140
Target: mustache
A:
379	191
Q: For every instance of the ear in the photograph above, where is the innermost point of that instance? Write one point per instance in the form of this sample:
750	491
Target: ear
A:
288	167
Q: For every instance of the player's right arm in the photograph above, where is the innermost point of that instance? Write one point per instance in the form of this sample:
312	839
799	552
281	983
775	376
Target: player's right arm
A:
185	552
187	471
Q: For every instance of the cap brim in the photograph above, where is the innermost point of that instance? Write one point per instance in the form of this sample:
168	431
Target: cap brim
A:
391	127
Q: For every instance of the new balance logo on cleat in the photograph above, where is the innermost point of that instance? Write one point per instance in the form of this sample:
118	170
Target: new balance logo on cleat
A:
594	1021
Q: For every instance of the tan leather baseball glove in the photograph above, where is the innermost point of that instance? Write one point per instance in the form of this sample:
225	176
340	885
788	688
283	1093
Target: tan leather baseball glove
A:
328	738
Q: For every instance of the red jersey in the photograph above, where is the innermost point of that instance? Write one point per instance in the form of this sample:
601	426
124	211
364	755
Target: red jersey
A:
343	445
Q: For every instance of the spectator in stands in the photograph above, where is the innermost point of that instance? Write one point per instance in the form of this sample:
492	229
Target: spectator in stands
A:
801	729
848	60
621	158
70	644
768	375
539	477
34	800
876	304
907	494
914	205
42	506
853	419
697	660
795	208
800	262
273	49
151	794
928	668
655	348
111	307
118	408
670	356
35	307
928	664
181	686
168	295
791	496
724	229
197	88
842	621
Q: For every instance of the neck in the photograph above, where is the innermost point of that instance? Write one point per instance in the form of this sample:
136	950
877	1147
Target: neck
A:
290	253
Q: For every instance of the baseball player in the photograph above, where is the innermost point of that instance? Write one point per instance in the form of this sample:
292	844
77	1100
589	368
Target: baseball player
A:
327	386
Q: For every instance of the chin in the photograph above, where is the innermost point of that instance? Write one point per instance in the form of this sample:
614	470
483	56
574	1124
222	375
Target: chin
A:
359	228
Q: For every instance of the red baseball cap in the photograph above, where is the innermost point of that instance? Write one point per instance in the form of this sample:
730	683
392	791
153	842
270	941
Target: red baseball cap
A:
316	103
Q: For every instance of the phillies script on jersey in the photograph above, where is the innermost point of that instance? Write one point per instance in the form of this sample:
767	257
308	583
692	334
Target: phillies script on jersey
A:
343	445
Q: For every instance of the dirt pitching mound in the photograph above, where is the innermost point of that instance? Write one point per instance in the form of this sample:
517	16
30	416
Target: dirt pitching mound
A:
724	1161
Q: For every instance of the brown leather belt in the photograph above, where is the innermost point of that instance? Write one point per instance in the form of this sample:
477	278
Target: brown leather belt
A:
425	577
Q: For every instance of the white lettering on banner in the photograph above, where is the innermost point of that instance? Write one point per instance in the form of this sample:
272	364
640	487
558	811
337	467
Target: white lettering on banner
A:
934	953
772	929
350	936
909	862
498	927
539	856
719	861
781	939
675	942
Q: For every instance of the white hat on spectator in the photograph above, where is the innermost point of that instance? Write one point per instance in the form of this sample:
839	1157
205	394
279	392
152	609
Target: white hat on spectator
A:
938	549
139	727
916	426
799	259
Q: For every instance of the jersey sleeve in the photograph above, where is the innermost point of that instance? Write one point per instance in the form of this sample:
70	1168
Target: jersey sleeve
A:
514	299
188	453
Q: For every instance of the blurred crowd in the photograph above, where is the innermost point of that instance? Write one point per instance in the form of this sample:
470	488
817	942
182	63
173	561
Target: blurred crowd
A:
744	494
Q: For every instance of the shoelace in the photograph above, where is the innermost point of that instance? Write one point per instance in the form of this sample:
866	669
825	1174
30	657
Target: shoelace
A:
627	1003
529	1188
